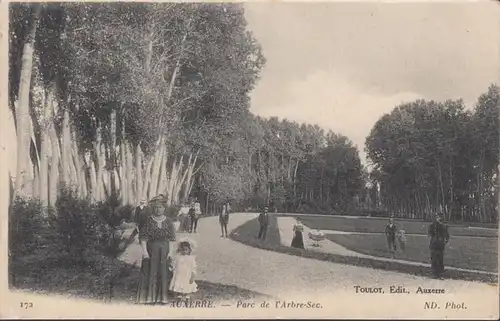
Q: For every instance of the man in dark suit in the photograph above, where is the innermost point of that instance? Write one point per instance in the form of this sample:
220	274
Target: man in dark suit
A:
263	222
438	231
193	215
138	217
390	234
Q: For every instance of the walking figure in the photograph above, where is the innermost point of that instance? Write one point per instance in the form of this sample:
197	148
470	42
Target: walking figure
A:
298	239
263	222
224	219
438	231
390	233
194	215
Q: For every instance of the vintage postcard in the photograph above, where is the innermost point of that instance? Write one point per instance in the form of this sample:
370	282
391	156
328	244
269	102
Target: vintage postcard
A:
260	159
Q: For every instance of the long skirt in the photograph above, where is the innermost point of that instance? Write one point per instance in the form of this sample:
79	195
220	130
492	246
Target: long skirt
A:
437	261
298	241
155	275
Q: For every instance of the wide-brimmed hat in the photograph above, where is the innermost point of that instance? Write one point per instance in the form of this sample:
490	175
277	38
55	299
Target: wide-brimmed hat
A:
184	240
159	199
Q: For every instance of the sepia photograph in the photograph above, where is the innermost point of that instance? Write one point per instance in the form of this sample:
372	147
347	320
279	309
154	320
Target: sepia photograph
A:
256	159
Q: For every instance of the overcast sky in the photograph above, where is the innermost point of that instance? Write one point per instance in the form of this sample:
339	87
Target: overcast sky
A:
343	65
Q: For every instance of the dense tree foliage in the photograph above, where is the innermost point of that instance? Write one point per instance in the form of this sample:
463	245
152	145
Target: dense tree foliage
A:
431	156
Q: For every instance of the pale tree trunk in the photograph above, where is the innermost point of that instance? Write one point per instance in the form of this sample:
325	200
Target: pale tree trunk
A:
112	153
191	179
138	173
295	182
65	150
99	152
182	180
45	153
22	113
123	166
54	161
163	179
124	172
157	161
171	188
443	200
101	176
130	172
106	184
79	168
36	184
76	168
34	168
146	177
93	177
189	176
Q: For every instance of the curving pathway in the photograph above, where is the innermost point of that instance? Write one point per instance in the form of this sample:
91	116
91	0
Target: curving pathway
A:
283	276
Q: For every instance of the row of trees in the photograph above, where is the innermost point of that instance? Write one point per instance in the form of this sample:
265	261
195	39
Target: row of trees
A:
438	156
136	100
290	166
125	99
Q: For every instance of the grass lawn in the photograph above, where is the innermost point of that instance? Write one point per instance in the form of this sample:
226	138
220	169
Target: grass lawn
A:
104	279
468	253
377	225
246	234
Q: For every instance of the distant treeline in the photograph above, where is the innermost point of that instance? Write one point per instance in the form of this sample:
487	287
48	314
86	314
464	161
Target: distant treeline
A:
437	157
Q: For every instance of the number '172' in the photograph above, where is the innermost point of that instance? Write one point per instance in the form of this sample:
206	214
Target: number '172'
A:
26	305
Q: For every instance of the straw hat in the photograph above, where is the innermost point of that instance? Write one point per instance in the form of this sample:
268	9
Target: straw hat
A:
159	199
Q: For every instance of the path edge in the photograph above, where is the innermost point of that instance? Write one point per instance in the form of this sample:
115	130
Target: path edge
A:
244	235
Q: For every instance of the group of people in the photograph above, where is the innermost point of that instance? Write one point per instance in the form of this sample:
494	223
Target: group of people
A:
394	237
439	237
188	216
168	266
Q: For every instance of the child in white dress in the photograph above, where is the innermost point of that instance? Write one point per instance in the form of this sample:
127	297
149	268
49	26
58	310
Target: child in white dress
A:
402	239
184	270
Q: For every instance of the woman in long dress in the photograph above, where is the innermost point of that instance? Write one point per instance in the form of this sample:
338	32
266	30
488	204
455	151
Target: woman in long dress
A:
298	239
157	237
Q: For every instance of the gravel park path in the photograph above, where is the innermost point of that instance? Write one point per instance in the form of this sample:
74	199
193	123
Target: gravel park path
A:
283	276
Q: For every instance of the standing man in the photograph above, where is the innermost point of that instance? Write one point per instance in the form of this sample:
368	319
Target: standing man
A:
193	218
263	222
224	219
139	217
195	215
438	231
390	234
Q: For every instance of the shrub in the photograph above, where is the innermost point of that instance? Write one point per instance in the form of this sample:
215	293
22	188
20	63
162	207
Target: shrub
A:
25	223
125	213
80	230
